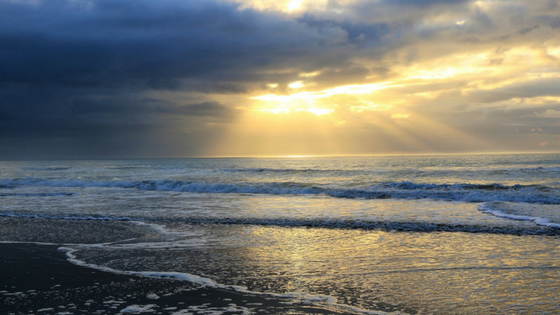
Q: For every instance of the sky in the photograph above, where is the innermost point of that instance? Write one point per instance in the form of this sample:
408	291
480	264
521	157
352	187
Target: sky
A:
180	78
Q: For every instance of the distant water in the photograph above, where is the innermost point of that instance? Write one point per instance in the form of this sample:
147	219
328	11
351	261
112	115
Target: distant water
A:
447	234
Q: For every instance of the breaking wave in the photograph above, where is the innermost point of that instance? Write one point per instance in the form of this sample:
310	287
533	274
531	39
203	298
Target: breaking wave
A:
328	223
543	216
399	190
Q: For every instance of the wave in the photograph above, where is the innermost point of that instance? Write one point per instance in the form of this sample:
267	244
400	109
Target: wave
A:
30	215
532	169
406	185
540	169
127	167
550	218
328	223
272	170
48	168
399	190
460	192
512	169
35	194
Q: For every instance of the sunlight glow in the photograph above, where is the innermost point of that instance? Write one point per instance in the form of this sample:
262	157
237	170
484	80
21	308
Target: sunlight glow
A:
554	51
288	110
305	101
355	89
318	111
443	73
386	114
400	116
368	106
276	110
296	85
309	74
294	5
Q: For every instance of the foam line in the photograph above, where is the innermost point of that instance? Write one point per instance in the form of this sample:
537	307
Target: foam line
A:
491	208
207	282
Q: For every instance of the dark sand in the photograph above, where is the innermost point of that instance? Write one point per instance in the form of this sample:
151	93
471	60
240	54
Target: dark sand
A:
37	279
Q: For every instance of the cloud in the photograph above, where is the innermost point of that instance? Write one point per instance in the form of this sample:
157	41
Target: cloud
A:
205	109
525	89
400	116
131	70
80	68
549	113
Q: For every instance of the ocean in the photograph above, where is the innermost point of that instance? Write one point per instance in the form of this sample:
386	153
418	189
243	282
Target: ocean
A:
425	234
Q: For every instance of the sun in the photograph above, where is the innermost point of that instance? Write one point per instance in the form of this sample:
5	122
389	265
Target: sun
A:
314	102
286	104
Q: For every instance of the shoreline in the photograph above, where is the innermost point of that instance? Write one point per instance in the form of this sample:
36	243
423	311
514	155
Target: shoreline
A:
38	279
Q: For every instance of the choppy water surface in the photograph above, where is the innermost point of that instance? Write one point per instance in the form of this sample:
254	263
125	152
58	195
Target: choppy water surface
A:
475	234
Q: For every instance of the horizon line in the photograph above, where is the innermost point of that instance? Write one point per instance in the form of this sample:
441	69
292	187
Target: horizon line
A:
287	156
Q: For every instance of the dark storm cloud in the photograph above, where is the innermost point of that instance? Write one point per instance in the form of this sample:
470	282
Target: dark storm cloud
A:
151	44
115	43
147	43
140	75
212	109
70	68
149	107
357	31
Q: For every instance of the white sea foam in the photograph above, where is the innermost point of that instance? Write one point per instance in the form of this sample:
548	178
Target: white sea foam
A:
206	309
504	210
45	309
299	297
138	309
162	230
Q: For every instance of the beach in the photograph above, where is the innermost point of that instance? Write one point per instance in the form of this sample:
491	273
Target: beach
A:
219	157
366	235
37	279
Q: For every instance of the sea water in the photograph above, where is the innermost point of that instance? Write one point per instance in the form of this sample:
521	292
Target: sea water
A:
445	234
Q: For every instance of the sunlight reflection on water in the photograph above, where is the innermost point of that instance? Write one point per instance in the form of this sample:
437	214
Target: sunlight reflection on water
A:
445	273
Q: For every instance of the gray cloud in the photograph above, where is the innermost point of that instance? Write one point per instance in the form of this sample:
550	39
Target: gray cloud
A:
134	72
84	68
542	87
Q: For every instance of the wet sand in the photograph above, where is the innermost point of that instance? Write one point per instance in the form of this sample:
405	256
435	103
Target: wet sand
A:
37	279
